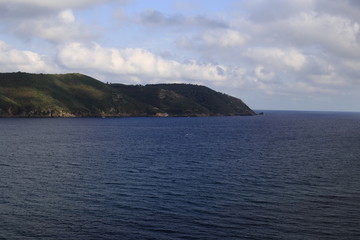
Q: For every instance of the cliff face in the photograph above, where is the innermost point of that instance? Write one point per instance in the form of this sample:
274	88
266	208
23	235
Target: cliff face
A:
77	95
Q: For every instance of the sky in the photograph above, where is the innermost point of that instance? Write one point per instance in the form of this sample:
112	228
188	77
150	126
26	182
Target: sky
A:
273	54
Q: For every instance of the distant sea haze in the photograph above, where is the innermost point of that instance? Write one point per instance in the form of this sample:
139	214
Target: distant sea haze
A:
281	175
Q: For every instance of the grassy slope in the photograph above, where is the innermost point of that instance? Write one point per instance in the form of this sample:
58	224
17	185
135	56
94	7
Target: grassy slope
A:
24	94
167	101
216	103
39	94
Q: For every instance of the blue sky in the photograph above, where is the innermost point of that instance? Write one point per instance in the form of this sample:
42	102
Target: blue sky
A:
273	54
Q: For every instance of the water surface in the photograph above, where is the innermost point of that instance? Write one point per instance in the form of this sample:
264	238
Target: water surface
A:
284	175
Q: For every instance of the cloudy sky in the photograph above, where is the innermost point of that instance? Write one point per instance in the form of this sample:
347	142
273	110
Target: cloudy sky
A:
273	54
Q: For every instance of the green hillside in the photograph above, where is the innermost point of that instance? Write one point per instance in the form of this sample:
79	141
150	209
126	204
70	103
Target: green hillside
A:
186	99
167	101
216	103
70	95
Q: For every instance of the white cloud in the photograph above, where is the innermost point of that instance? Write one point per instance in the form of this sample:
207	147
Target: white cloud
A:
223	38
262	74
54	5
67	16
328	79
329	26
336	34
156	18
58	28
264	11
353	64
51	20
12	60
277	58
136	63
345	8
23	10
216	45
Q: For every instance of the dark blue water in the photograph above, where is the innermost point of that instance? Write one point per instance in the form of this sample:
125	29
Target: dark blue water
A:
284	175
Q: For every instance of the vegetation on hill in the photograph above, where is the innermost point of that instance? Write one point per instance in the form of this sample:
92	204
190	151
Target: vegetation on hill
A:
216	103
67	95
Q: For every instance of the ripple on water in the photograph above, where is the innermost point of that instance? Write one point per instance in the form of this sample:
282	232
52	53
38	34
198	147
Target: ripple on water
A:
278	176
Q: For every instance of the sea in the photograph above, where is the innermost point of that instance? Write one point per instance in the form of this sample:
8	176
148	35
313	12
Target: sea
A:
281	175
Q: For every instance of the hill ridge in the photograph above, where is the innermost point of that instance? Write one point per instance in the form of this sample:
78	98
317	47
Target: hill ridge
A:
77	95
